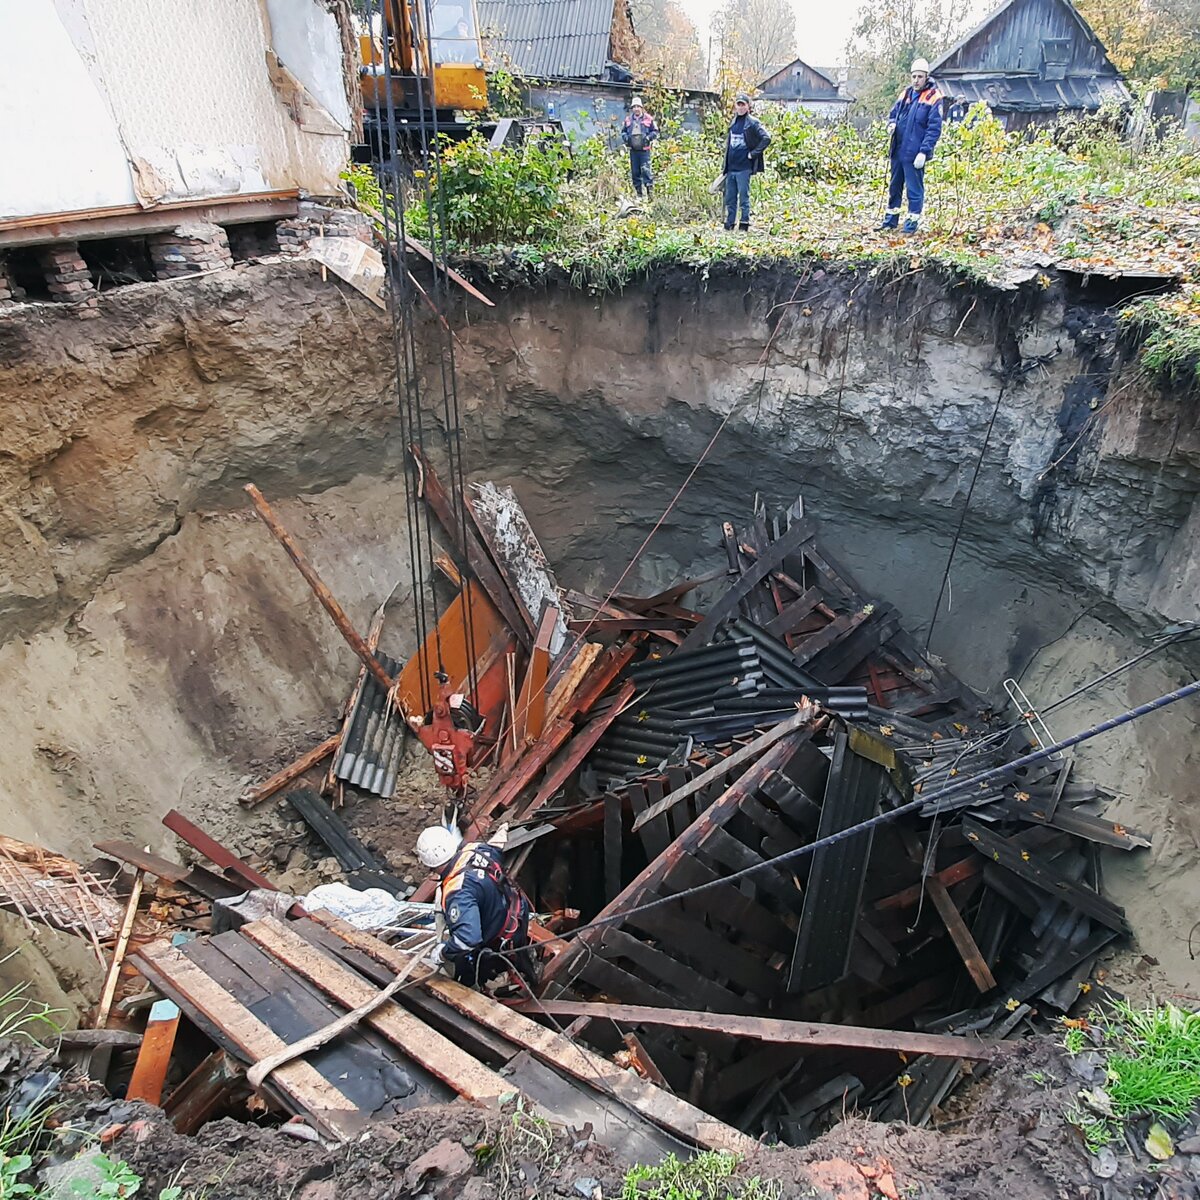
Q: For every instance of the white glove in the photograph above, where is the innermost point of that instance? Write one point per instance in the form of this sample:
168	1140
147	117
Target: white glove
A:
499	839
919	162
438	954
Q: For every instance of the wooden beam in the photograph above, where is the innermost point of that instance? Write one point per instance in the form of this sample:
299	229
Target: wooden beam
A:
199	1096
964	943
109	991
659	1107
580	748
570	680
195	837
799	533
718	770
769	1029
291	772
328	602
437	1054
949	876
299	1082
154	1057
531	699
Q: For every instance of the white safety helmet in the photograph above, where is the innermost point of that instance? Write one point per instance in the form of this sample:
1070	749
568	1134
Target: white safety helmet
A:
636	102
437	845
920	64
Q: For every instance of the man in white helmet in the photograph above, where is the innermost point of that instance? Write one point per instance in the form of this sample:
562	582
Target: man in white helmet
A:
915	124
486	913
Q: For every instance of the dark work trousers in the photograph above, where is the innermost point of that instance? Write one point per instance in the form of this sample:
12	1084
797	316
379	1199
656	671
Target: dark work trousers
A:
906	178
737	193
639	168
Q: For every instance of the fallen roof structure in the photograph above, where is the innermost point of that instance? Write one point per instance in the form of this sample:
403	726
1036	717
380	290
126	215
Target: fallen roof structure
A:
663	771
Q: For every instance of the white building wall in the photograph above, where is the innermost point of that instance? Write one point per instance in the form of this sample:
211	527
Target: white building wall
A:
111	102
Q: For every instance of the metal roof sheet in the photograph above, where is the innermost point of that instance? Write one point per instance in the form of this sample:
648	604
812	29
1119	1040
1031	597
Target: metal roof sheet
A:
549	39
1028	93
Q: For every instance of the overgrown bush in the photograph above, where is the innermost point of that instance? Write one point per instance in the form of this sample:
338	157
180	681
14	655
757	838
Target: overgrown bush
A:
509	195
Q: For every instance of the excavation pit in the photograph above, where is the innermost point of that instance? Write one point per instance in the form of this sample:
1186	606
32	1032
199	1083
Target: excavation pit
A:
162	654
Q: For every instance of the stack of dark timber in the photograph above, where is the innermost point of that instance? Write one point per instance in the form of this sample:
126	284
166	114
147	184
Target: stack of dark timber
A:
705	740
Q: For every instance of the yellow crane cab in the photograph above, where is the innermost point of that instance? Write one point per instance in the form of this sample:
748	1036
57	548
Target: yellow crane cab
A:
431	57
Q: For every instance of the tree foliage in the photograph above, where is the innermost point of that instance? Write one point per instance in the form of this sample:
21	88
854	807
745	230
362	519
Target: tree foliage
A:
1155	42
887	37
757	38
671	54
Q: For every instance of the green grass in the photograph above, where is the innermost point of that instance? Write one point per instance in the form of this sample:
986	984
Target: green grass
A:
997	203
1155	1063
708	1176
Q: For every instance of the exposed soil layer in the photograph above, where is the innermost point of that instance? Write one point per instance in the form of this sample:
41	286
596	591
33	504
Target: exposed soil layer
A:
1013	1140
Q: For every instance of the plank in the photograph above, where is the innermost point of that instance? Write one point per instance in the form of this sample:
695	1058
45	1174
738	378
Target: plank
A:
1011	854
154	1057
292	771
964	943
735	855
657	1106
530	712
727	906
203	1092
670	972
200	841
197	879
350	853
612	845
112	975
727	605
794	612
437	1054
581	747
773	1030
300	1082
823	639
804	717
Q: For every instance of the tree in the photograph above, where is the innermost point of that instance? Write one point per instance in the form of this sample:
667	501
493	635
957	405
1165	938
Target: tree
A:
670	52
1154	42
757	38
886	38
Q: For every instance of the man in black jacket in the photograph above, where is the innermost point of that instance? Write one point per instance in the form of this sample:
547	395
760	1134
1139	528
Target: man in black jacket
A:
744	145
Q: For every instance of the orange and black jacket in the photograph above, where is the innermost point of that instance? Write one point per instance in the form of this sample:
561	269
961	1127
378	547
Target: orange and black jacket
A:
482	907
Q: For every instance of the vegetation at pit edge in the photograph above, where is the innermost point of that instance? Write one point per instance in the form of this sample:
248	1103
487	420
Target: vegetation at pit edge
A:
1151	1060
707	1176
1001	207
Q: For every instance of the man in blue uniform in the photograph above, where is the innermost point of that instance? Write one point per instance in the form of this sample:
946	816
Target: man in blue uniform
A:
745	143
915	124
486	914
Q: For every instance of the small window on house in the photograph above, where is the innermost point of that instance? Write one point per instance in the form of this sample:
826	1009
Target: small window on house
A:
1056	54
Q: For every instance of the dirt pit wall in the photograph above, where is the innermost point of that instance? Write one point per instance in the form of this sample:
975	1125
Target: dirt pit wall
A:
159	649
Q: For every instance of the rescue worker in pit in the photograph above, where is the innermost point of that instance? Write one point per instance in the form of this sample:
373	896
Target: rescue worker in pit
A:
914	125
486	914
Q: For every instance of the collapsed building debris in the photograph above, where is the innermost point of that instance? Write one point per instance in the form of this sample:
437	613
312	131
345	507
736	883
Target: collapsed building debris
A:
661	770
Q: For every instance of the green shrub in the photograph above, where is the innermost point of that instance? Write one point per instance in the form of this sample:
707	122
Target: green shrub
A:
509	195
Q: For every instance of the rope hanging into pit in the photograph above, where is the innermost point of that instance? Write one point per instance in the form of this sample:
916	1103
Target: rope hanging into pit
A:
390	151
962	520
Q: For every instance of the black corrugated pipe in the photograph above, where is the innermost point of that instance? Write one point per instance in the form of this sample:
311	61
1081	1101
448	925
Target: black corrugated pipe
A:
710	656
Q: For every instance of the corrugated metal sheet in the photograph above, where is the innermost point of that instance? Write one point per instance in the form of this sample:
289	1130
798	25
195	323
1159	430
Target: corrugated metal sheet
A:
549	39
369	756
1024	93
